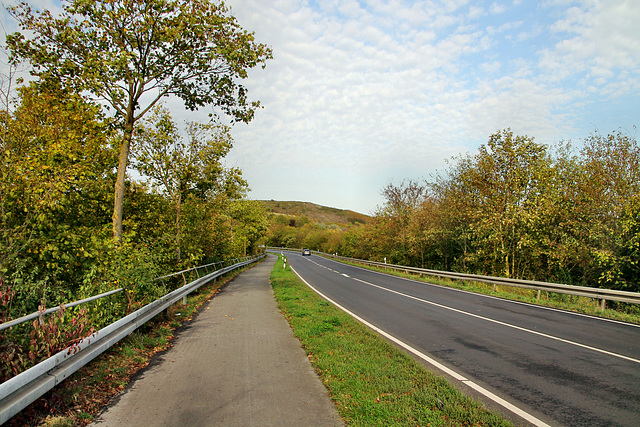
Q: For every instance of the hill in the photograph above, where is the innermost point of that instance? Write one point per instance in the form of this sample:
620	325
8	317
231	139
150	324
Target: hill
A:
322	214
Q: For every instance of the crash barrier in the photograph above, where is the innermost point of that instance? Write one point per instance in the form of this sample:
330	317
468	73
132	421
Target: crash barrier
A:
40	314
599	294
18	392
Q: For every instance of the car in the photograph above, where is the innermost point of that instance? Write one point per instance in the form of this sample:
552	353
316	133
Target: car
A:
306	252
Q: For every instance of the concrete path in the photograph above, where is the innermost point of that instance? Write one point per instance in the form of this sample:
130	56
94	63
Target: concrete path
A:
237	364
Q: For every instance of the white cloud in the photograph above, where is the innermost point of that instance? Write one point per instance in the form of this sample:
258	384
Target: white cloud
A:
497	8
389	91
597	38
361	93
476	12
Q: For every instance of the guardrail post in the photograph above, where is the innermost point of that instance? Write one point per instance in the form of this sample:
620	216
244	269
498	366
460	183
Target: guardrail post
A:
184	300
539	292
603	304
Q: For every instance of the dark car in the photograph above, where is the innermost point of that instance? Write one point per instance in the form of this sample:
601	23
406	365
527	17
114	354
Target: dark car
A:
306	252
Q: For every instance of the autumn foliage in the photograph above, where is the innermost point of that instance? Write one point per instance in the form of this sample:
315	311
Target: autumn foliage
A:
72	224
58	161
519	209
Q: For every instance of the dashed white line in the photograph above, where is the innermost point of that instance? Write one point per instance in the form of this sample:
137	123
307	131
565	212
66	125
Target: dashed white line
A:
539	307
509	406
520	328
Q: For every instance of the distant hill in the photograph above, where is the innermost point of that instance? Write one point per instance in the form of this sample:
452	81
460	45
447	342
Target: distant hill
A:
322	214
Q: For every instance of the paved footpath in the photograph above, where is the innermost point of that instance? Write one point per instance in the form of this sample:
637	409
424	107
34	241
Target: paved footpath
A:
236	364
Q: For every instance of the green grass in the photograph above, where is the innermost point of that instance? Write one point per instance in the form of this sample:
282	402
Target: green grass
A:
370	381
577	304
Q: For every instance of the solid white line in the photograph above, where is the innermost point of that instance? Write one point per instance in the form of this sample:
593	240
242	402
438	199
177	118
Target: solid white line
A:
509	406
520	328
541	307
577	344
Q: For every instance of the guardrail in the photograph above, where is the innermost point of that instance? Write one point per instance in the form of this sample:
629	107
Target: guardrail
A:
602	295
39	314
19	320
18	392
206	266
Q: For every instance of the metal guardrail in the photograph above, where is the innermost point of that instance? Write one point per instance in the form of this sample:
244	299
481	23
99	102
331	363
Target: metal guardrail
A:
229	262
596	293
19	320
18	392
14	322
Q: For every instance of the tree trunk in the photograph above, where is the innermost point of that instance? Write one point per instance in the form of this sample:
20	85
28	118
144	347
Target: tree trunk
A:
178	237
120	177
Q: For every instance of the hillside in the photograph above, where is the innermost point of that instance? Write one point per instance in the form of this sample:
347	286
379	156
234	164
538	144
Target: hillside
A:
322	214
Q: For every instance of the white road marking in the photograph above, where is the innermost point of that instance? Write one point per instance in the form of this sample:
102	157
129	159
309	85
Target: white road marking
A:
577	344
509	406
540	307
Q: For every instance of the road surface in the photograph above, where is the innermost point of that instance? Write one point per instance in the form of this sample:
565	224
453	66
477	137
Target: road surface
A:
560	368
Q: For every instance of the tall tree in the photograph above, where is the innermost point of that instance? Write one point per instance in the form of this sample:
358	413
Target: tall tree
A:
131	53
183	166
398	219
610	187
249	223
506	182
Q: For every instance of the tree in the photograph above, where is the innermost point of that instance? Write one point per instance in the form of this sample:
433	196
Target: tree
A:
131	53
399	222
249	223
453	213
505	180
55	163
181	167
610	187
630	246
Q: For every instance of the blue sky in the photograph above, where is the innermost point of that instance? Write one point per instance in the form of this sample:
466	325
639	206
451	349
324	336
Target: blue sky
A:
363	93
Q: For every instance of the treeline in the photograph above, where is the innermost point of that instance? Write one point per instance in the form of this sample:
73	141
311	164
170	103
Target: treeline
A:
58	157
516	208
290	231
56	192
71	223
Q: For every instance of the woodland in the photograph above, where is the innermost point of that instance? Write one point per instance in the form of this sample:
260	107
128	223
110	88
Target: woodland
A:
100	188
567	213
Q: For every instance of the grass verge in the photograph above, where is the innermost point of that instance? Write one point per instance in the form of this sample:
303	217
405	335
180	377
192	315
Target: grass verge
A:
370	381
78	400
616	311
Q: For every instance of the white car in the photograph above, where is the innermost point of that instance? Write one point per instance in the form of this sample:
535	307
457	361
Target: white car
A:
306	252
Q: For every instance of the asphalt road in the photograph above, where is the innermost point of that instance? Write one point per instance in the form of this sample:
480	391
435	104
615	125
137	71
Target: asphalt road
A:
558	367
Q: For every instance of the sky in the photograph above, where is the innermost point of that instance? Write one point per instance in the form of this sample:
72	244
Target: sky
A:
361	94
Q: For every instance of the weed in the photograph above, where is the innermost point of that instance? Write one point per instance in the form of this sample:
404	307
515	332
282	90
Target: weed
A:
57	422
